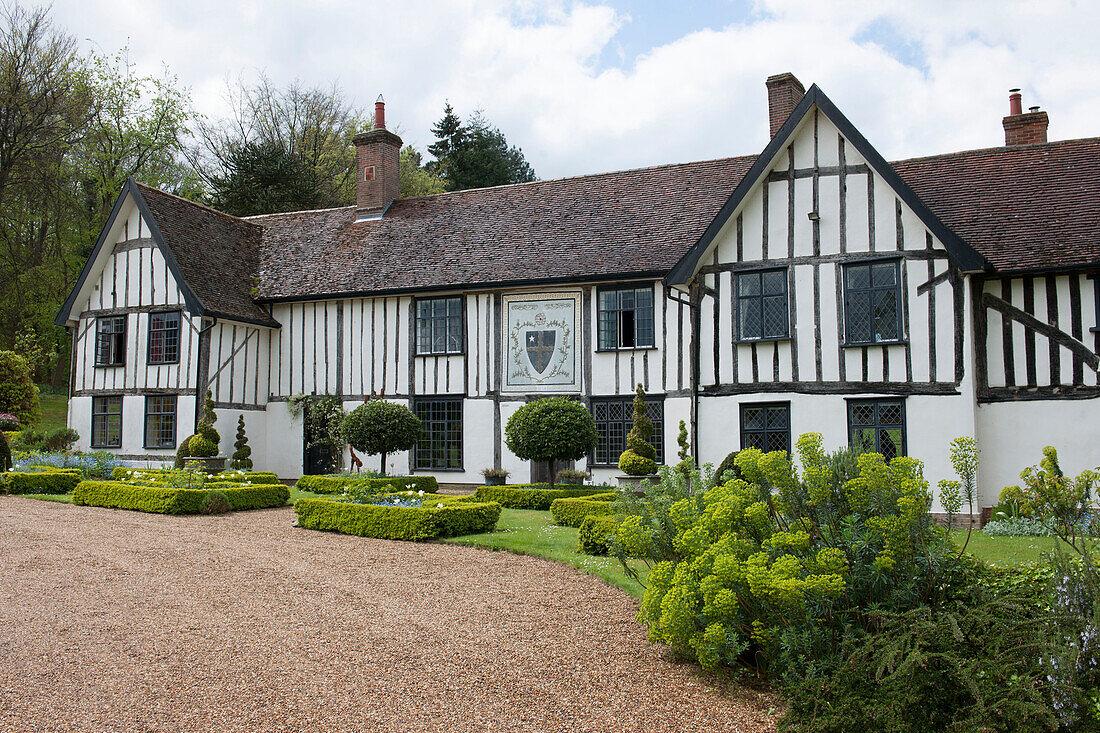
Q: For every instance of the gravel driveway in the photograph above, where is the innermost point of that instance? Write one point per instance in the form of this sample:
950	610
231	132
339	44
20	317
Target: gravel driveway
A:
122	621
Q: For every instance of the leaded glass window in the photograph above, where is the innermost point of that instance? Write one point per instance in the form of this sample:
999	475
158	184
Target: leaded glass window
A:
160	421
107	422
440	444
625	319
439	325
877	426
762	305
766	426
164	337
110	341
614	418
872	302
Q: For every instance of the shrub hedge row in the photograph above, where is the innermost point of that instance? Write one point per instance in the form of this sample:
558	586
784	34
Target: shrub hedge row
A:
337	484
530	496
572	511
454	517
49	481
595	532
163	500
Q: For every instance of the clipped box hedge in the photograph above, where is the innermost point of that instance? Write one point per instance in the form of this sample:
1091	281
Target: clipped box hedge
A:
595	532
50	481
157	475
530	496
164	500
337	484
456	516
571	512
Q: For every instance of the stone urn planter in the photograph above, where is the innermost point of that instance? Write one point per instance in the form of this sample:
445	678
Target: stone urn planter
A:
207	464
636	484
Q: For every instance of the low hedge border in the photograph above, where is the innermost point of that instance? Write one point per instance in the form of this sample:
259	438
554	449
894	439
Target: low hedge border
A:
337	484
51	481
454	517
571	512
163	500
154	475
595	532
530	496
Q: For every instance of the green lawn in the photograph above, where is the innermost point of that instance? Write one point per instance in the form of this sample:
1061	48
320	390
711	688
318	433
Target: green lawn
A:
63	498
55	408
1007	550
532	532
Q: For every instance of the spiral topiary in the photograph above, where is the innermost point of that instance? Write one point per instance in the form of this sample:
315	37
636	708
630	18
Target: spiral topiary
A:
242	453
638	458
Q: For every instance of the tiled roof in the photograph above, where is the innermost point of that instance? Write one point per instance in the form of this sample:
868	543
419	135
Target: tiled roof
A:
1029	207
638	221
217	254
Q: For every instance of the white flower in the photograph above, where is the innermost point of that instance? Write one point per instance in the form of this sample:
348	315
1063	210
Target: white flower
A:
420	493
438	506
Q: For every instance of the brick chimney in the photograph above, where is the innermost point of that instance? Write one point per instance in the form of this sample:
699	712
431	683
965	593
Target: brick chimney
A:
377	179
1024	128
784	94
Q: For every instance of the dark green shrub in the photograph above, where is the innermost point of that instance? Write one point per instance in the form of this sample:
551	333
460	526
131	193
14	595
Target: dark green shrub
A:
216	502
242	453
48	480
637	459
18	394
530	496
551	429
436	518
380	428
596	534
727	470
5	453
572	511
60	440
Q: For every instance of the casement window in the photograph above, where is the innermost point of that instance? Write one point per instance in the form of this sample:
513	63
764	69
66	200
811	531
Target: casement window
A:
164	337
877	426
107	422
625	319
439	325
766	426
160	421
614	418
110	341
872	302
440	444
762	305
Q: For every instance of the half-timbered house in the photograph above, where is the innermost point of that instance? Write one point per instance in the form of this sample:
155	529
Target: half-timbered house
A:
812	287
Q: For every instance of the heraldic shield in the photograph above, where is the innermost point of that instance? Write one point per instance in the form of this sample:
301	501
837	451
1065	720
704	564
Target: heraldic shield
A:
540	348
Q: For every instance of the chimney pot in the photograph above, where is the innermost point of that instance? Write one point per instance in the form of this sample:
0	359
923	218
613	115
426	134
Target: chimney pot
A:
377	153
1024	128
1015	106
784	93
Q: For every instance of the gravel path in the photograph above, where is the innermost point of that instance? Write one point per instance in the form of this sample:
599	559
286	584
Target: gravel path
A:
122	621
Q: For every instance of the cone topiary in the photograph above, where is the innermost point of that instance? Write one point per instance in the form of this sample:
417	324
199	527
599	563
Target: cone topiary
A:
638	458
204	443
242	453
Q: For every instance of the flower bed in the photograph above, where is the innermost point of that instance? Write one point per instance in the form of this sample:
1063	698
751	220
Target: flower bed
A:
531	496
99	464
338	484
191	479
436	516
47	481
571	512
172	500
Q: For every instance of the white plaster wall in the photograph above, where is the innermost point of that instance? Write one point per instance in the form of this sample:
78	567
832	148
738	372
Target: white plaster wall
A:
284	442
255	428
477	442
1012	436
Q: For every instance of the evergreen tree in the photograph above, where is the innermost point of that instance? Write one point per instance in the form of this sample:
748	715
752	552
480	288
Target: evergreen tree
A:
475	155
242	453
264	178
638	458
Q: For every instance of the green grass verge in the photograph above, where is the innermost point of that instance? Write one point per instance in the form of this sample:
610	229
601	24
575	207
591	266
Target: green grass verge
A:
533	532
62	498
1007	550
55	411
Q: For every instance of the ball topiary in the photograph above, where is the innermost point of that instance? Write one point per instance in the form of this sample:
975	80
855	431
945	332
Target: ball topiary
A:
204	443
551	429
216	502
380	427
637	459
18	394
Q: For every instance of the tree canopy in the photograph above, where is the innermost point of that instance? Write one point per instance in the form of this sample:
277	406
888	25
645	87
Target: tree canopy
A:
380	428
474	154
551	429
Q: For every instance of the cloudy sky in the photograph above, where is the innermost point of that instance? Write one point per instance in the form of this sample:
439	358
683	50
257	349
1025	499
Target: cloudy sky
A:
585	87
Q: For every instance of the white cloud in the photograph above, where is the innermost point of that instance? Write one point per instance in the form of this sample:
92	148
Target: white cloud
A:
534	67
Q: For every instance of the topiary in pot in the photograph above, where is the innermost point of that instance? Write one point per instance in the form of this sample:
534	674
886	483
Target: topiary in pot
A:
638	458
242	453
551	429
18	394
204	443
380	427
